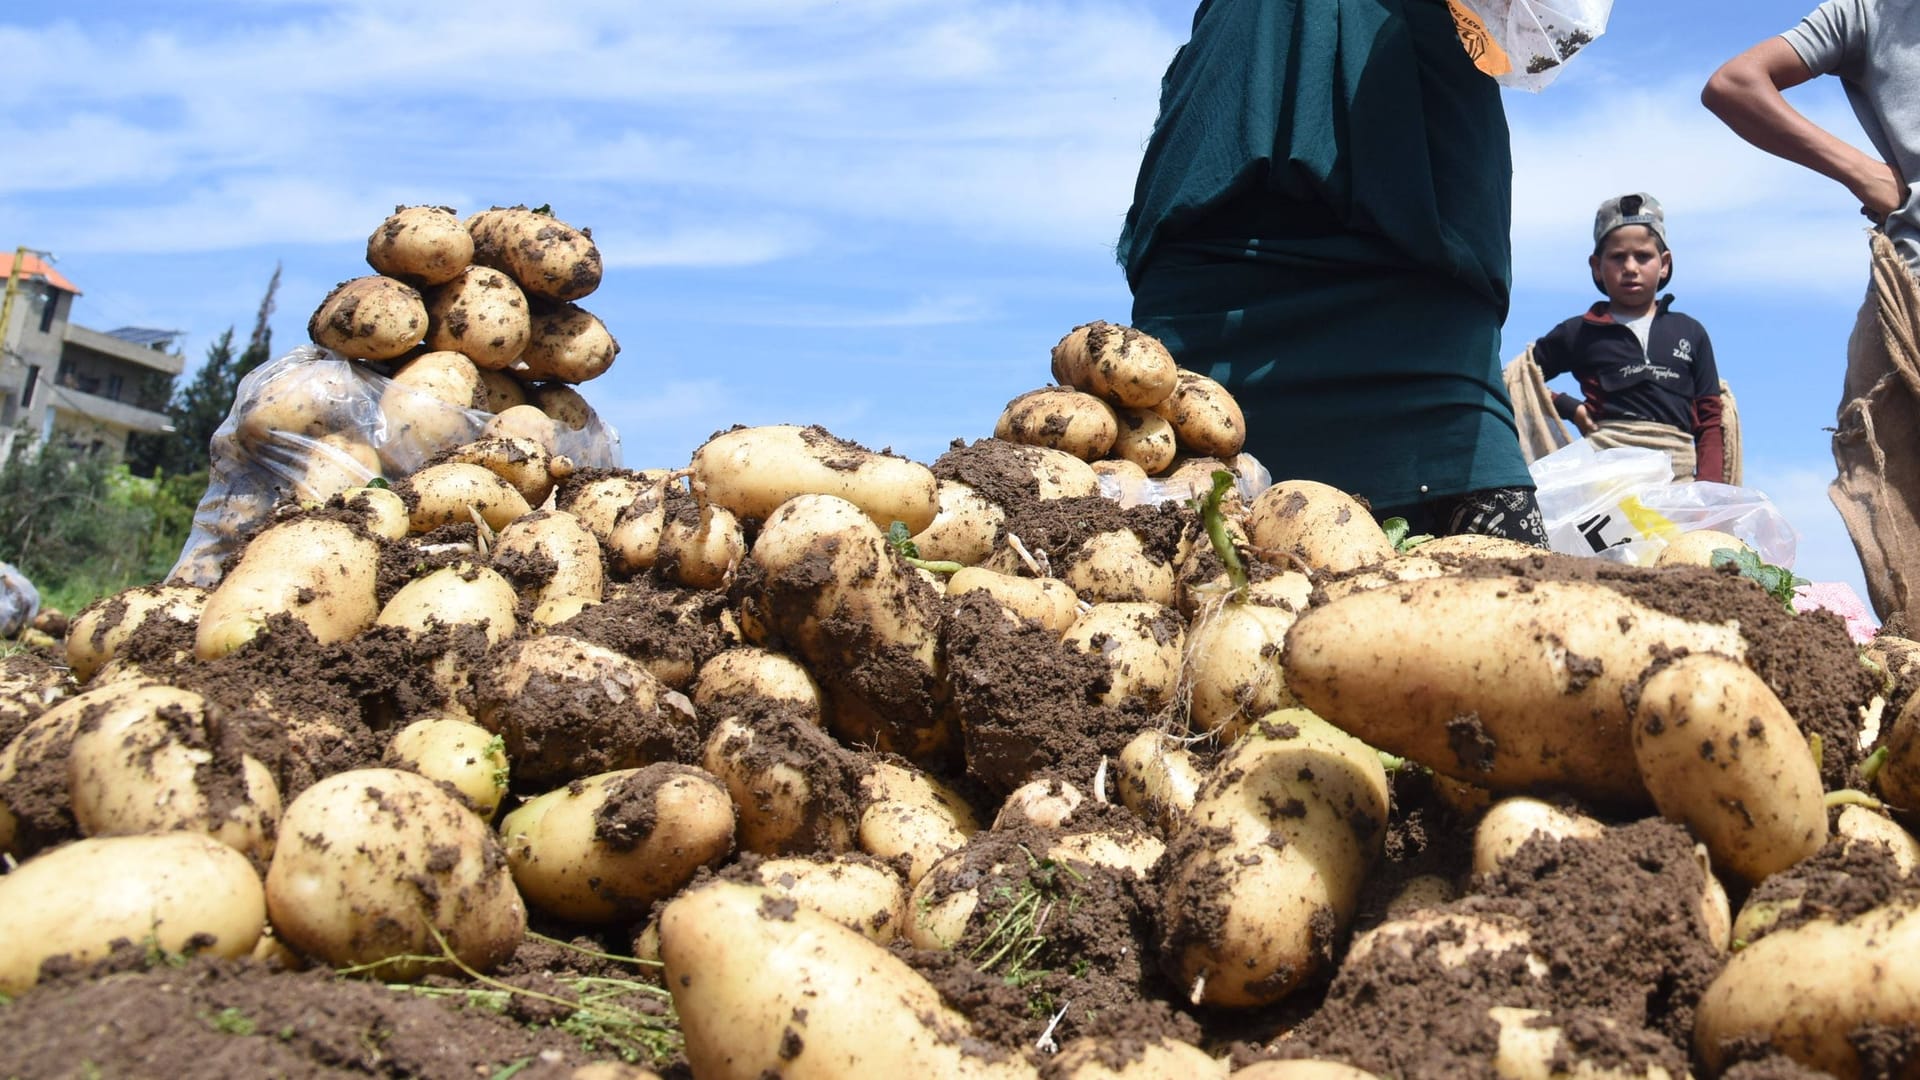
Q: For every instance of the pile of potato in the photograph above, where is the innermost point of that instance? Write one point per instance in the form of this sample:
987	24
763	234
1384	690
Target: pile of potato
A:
469	333
827	726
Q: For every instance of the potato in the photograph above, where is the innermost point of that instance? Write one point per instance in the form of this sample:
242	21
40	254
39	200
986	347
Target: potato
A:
568	343
701	551
1046	803
1061	419
450	493
333	464
453	751
1322	526
1454	940
1232	665
319	571
567	708
433	402
965	529
1242	911
1117	363
503	391
1480	680
1133	1058
607	847
461	610
633	537
177	892
755	981
598	499
1859	825
911	814
97	633
29	686
426	245
1145	440
790	784
1159	779
1205	417
1110	566
860	894
1119	850
482	313
1719	753
308	400
752	470
1058	474
548	257
1398	570
1532	1046
528	465
370	318
752	680
1047	601
524	421
377	866
1142	644
557	540
1476	546
1510	822
35	810
833	588
1302	1069
1806	990
1899	778
1696	548
1122	481
381	508
151	759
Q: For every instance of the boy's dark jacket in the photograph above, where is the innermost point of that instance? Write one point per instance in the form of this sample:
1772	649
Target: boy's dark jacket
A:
1675	382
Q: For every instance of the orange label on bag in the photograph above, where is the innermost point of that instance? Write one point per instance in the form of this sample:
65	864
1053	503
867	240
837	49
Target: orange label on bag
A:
1487	54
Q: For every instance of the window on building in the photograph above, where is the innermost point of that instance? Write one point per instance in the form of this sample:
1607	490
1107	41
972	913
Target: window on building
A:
114	385
47	309
33	381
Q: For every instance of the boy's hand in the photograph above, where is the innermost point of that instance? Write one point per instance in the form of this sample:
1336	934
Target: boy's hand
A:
1583	420
1880	191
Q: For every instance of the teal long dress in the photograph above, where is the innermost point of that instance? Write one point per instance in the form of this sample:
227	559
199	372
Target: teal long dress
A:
1321	223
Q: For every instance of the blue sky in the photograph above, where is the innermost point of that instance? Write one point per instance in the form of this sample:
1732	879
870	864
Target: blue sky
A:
875	215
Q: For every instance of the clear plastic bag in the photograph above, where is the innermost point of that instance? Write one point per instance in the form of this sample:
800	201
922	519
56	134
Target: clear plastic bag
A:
1621	504
1250	478
19	601
1538	37
312	423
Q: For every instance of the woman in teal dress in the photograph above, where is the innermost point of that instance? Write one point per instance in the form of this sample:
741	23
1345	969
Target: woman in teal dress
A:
1321	224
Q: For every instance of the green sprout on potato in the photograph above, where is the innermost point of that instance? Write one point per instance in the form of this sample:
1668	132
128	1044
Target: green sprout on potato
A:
1777	580
900	539
1208	507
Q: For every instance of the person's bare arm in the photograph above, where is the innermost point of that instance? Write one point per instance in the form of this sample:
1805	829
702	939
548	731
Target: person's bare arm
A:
1745	95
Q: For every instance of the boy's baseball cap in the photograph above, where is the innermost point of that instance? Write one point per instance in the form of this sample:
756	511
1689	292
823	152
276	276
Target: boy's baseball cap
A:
1638	208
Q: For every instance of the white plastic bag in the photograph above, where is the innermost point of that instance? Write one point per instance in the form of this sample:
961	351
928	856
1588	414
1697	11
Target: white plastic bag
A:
19	601
1621	504
1539	37
310	423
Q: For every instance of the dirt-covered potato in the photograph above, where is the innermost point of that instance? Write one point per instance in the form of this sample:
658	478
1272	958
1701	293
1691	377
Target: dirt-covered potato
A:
752	470
568	343
482	313
755	979
457	752
426	245
751	681
1233	664
548	257
1134	1058
1142	644
380	866
964	530
1119	364
1204	415
455	613
370	318
1322	526
566	553
176	892
527	464
450	493
1145	439
97	633
607	847
1511	822
1696	548
911	815
333	464
320	571
1159	778
567	707
792	785
307	400
1115	565
855	891
1048	601
1059	418
155	758
702	550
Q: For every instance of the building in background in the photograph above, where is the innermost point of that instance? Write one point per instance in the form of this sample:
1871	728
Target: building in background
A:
59	379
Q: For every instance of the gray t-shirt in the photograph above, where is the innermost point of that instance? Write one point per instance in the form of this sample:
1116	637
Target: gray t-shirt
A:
1874	48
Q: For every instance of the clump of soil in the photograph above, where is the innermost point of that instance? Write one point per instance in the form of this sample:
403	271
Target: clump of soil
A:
1841	881
1617	923
669	631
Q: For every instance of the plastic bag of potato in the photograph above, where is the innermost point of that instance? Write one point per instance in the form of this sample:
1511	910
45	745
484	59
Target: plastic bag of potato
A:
312	423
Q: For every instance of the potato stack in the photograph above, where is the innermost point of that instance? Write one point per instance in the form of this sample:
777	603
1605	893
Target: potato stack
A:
468	334
879	703
1121	403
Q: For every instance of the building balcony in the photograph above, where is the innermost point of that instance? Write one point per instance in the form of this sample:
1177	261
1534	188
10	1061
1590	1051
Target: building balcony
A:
103	410
121	349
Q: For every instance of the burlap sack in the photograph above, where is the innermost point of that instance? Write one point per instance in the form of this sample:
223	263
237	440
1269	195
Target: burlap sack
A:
1878	488
1542	431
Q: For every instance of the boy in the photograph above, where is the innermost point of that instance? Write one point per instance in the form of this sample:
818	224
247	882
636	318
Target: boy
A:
1646	371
